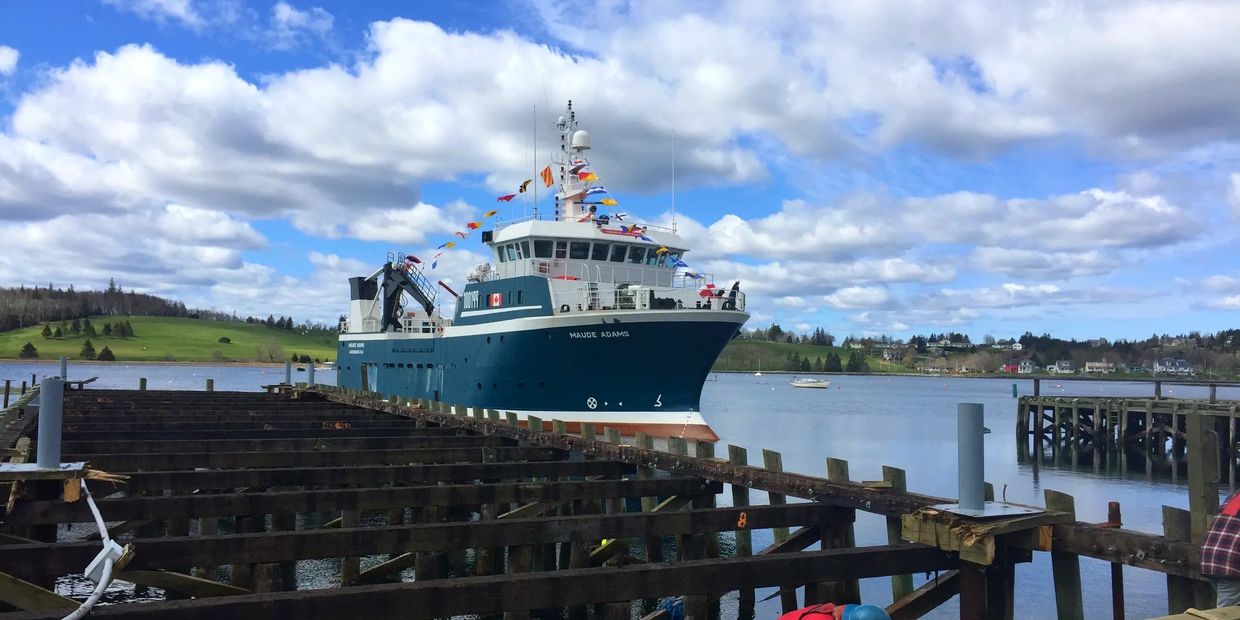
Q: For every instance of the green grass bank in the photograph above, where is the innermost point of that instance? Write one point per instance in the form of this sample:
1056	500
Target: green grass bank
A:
172	339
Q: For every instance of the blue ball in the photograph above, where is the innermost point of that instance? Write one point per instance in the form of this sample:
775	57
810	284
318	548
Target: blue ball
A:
864	612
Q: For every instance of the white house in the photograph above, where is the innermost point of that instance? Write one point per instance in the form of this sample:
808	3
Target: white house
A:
1169	366
1025	367
1102	367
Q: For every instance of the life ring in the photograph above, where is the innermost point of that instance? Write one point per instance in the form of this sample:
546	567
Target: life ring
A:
564	278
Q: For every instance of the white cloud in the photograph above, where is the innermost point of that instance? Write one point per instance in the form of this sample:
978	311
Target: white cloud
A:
162	11
1226	303
8	60
1233	193
412	225
853	297
1046	265
291	27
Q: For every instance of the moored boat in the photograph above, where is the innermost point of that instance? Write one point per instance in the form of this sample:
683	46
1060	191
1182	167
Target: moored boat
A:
810	382
581	317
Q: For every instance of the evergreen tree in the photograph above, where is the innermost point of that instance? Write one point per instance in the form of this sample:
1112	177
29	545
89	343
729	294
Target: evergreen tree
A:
58	333
88	350
28	352
107	331
818	364
75	328
128	330
47	332
833	363
805	365
88	329
106	355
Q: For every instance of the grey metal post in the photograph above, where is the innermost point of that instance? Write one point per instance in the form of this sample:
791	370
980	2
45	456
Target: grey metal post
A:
971	452
64	368
51	413
288	373
310	374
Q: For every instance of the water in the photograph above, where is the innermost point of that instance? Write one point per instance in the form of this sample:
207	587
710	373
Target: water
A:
910	422
906	422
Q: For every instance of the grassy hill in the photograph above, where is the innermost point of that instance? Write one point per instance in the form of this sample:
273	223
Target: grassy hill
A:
159	338
744	354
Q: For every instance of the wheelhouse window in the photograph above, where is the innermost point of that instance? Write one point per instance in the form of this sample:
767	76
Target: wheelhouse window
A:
617	252
499	253
579	250
599	251
511	250
525	250
542	248
652	257
561	249
637	253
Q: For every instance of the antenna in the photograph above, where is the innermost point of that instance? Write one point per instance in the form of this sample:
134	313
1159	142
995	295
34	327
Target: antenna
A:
535	181
673	180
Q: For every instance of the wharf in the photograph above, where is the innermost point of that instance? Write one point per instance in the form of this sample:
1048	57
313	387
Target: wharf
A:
429	510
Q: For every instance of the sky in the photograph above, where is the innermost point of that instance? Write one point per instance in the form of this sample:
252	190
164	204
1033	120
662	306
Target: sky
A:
868	167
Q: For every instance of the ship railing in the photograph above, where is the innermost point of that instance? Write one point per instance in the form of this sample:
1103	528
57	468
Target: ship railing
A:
590	271
502	224
595	296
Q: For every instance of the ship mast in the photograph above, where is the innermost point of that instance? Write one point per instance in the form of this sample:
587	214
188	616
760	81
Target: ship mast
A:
574	143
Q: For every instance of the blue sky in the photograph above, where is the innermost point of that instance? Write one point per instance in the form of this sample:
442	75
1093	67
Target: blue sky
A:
864	168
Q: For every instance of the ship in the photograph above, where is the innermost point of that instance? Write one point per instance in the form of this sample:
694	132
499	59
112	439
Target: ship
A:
579	316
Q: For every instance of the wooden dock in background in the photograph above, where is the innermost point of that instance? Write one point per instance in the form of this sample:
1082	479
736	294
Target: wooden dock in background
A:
461	510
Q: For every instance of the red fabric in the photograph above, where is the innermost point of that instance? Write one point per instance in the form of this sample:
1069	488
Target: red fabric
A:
826	611
1220	553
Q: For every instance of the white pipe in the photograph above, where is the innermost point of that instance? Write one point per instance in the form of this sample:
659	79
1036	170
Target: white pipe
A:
90	500
104	582
105	579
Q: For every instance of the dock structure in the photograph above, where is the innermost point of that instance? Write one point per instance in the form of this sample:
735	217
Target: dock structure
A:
430	510
1126	431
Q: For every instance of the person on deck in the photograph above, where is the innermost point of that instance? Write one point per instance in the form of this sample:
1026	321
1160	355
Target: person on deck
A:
1220	553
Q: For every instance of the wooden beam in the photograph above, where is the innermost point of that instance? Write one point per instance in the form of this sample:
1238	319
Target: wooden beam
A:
325	442
539	590
925	599
372	475
326	458
268	502
178	582
25	595
64	558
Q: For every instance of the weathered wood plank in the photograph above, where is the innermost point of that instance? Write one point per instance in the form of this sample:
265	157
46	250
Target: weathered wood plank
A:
67	557
525	591
925	599
325	458
363	474
226	504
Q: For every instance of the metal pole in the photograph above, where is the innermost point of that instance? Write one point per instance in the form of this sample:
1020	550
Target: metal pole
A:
7	384
64	368
51	403
210	385
288	373
970	453
310	374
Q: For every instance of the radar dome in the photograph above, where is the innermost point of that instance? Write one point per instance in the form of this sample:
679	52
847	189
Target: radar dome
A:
580	139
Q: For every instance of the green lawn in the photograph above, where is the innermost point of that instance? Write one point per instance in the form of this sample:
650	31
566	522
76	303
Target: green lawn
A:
172	339
744	354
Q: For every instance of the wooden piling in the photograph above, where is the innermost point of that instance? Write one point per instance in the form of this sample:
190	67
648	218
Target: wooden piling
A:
840	535
901	585
1181	591
744	538
774	461
1065	567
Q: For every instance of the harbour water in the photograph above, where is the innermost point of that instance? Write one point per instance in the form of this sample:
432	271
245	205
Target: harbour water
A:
871	421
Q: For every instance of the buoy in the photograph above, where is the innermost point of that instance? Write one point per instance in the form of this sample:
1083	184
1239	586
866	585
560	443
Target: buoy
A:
831	611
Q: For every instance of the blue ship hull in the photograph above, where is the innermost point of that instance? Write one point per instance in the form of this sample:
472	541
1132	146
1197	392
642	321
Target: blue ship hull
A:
632	371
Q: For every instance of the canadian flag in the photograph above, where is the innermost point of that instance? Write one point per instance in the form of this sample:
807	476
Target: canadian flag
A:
497	300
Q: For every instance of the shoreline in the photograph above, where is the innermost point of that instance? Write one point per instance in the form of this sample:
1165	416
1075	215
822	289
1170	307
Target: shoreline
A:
250	364
1074	377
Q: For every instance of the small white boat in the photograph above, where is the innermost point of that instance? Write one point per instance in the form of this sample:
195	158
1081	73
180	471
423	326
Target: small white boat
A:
810	382
325	366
